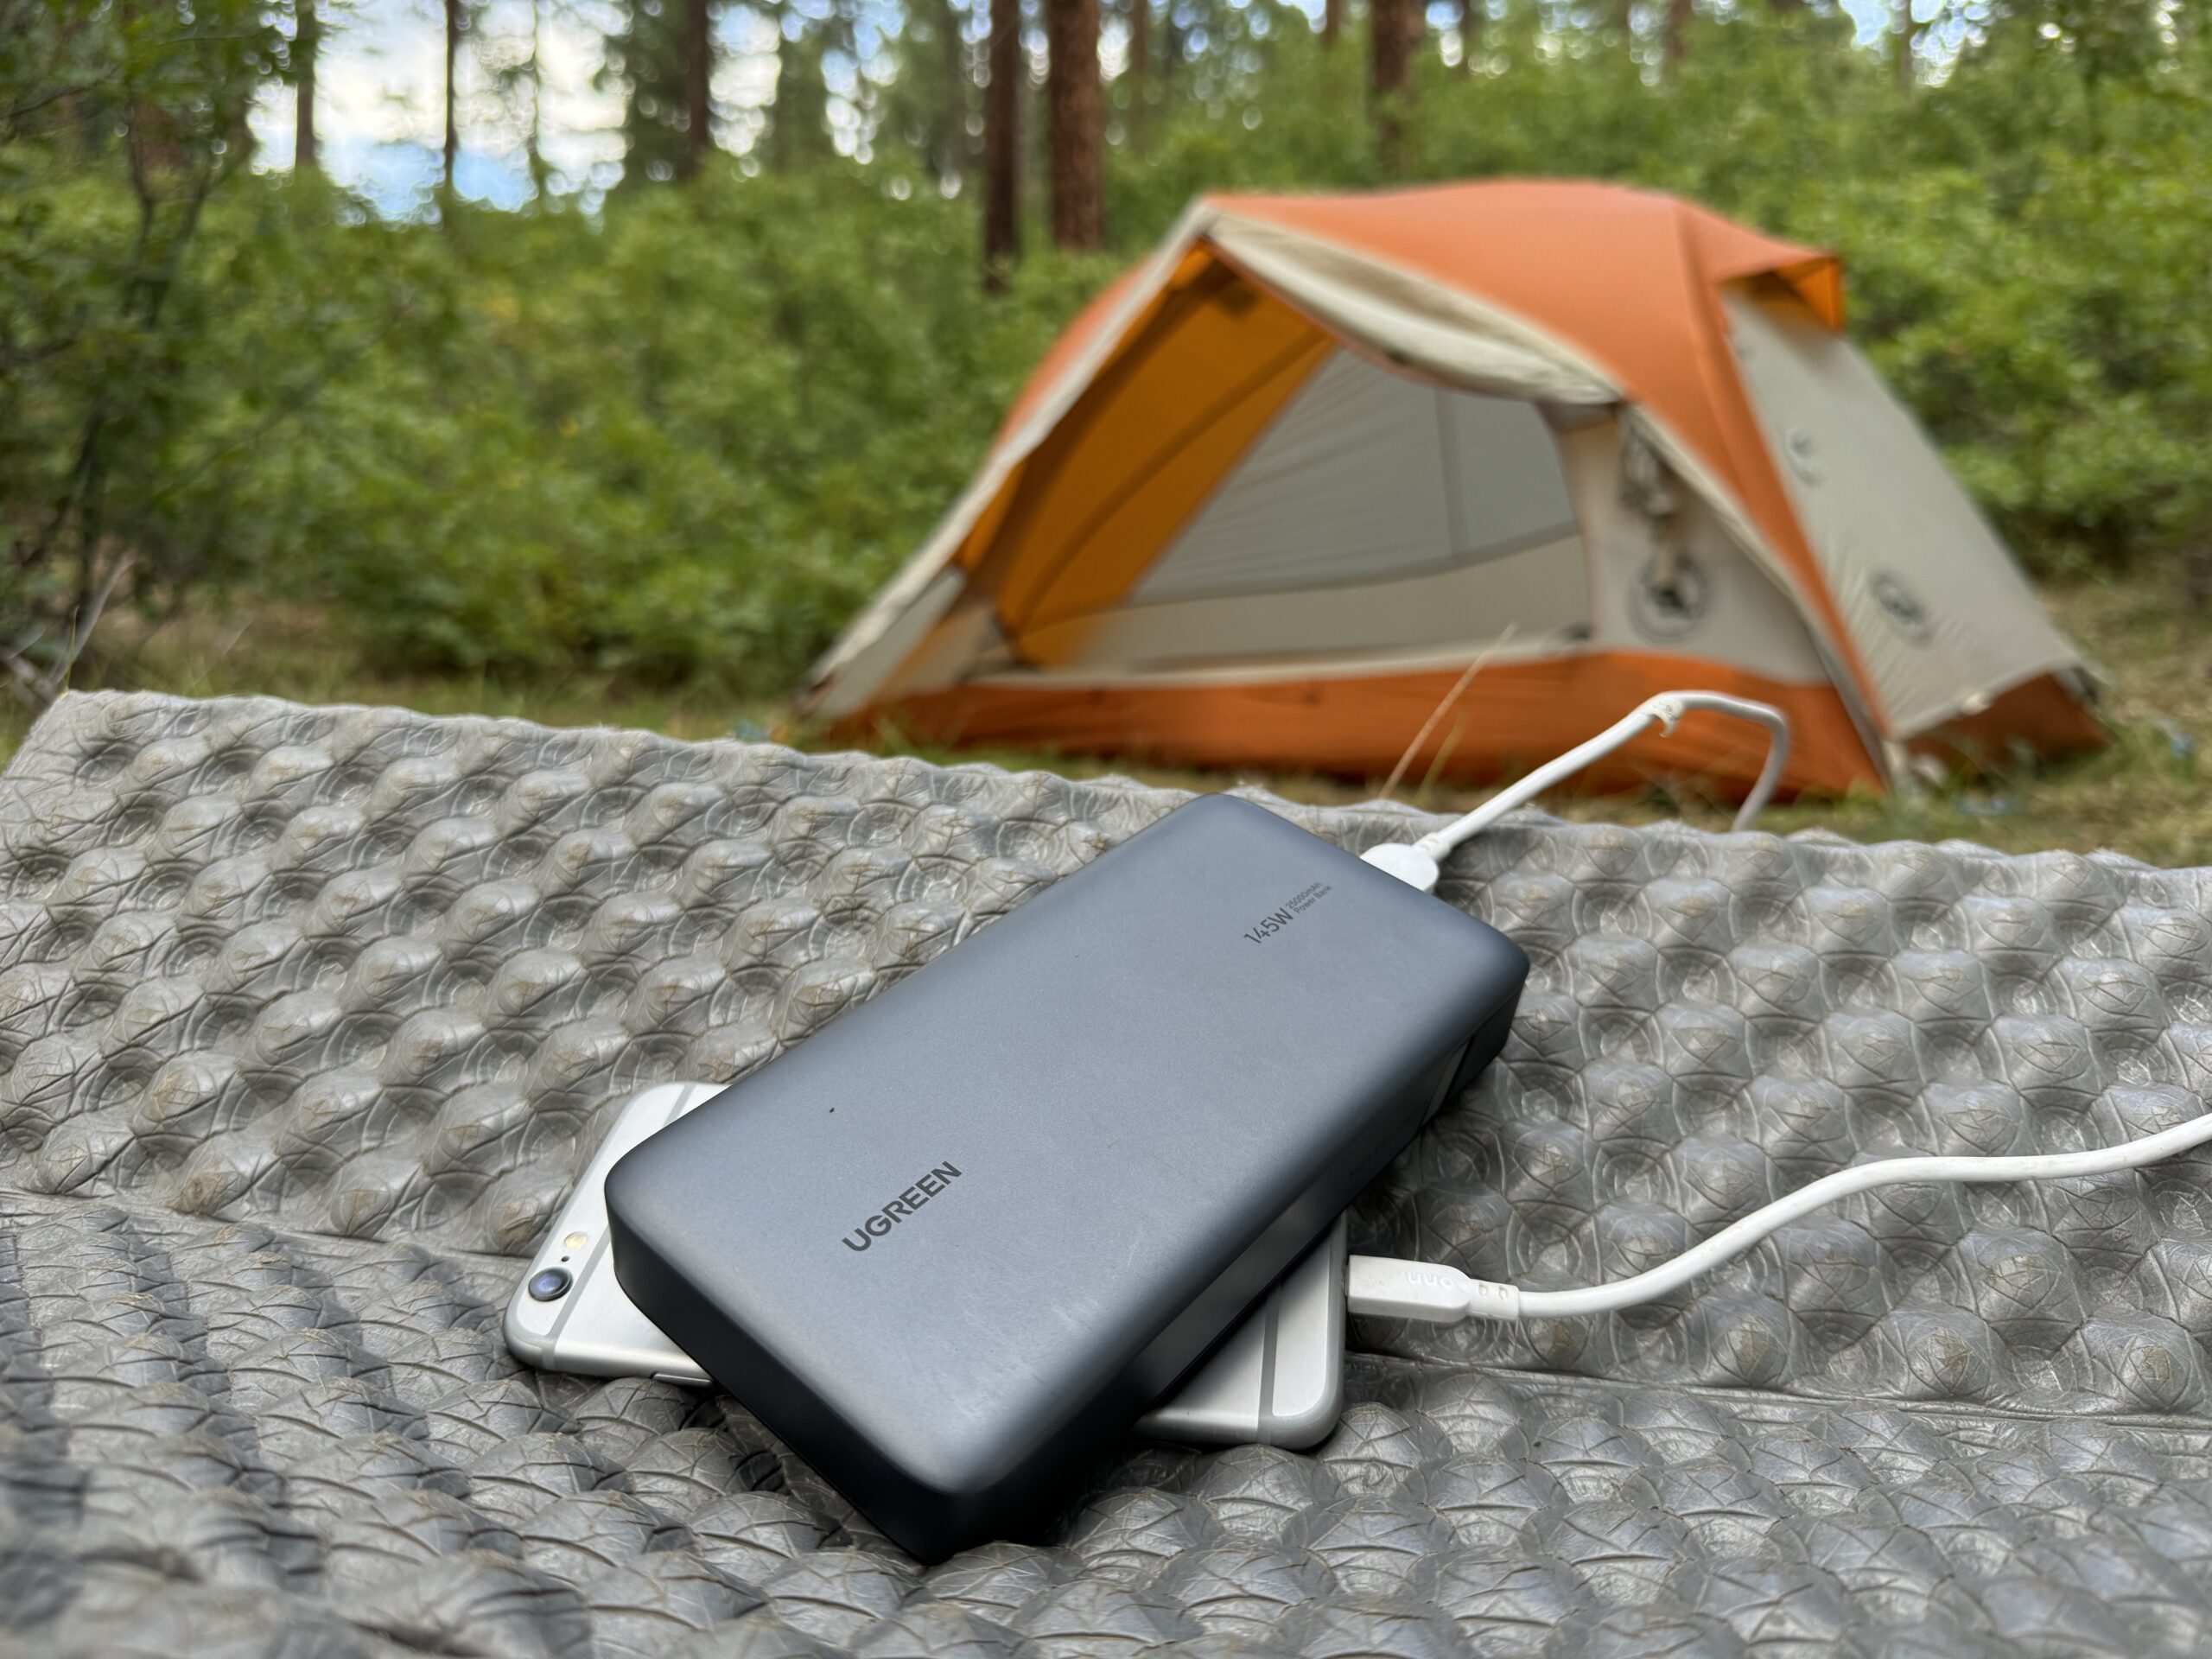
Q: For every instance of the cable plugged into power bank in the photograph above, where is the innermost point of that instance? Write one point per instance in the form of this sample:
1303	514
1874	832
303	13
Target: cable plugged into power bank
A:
1418	863
1429	1294
1436	1294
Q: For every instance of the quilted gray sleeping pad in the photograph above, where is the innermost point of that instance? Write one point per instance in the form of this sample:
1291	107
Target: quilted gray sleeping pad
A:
310	1016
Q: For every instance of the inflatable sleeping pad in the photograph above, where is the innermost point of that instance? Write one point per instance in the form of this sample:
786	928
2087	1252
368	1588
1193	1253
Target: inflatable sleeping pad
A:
310	1016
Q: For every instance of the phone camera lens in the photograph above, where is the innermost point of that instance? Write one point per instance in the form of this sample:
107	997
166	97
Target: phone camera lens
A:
550	1286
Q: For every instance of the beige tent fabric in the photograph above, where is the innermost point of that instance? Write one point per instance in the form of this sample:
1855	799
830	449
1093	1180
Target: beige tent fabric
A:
1941	616
1424	325
1693	590
1367	475
1434	616
1382	522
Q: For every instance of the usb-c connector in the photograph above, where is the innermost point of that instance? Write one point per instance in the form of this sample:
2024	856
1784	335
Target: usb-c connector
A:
1432	1294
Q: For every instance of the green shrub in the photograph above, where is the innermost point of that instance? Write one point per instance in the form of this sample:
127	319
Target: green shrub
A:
680	443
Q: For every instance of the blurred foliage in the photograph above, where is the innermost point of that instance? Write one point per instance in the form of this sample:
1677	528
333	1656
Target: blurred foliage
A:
676	440
683	442
118	127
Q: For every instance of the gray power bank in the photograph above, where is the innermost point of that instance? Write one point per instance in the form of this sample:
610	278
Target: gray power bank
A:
951	1245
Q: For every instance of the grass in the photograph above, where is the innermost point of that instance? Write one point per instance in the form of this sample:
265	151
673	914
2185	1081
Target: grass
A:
2149	794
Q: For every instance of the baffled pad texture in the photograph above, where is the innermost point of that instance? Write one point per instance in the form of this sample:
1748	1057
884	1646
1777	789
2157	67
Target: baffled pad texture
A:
309	1018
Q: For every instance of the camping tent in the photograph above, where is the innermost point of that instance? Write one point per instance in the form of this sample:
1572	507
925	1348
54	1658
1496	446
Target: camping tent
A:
1274	493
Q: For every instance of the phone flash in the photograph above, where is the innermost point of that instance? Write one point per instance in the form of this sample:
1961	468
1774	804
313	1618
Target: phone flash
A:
576	1241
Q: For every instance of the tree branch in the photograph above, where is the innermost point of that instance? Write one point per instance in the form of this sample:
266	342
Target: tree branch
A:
25	680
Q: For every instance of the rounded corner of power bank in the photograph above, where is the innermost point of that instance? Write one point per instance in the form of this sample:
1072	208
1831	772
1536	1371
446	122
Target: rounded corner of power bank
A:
636	1167
1497	972
637	1205
1229	810
1218	802
1516	955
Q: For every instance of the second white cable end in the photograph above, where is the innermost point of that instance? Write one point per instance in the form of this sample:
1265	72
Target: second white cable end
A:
1432	1293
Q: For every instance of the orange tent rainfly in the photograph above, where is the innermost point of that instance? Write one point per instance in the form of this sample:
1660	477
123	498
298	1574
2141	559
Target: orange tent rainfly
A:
1274	493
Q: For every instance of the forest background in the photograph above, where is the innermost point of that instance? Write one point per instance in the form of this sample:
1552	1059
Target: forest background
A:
627	346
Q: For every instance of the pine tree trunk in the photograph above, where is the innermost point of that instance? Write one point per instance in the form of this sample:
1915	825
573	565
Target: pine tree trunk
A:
1678	32
698	88
1002	146
784	111
1332	21
1139	63
306	45
1394	26
1901	42
1471	18
541	175
1075	126
452	151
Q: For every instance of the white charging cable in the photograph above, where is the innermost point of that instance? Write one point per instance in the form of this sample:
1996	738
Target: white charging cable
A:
1444	1295
1418	863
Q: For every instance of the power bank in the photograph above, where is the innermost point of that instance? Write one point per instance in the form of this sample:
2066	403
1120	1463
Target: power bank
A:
951	1245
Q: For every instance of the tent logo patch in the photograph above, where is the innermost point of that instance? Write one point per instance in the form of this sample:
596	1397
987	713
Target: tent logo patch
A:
1905	612
1667	604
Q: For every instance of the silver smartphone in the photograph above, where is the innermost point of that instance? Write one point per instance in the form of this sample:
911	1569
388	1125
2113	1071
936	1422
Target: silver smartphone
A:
1276	1379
